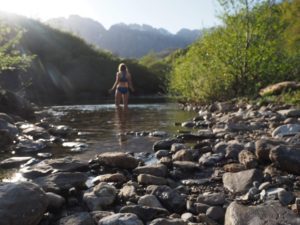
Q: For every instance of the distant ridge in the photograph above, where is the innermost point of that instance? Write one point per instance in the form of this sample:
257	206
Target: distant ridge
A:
130	41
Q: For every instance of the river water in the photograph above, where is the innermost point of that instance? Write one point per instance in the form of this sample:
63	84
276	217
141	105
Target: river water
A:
104	128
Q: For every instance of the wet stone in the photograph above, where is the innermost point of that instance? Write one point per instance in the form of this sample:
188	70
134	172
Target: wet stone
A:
14	162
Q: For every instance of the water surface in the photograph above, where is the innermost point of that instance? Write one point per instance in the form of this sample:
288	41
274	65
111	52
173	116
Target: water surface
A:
105	128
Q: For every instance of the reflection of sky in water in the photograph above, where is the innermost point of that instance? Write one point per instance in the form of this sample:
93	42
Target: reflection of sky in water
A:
104	128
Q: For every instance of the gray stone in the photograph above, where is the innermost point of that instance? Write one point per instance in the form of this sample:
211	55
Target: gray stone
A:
209	159
13	104
285	197
177	146
117	159
158	134
286	158
121	219
56	201
267	214
200	207
150	201
183	155
159	170
115	178
81	218
36	132
233	150
211	198
61	181
171	199
6	138
220	148
11	128
6	117
289	112
60	130
248	159
165	144
162	153
128	192
188	124
186	165
187	217
286	130
22	203
145	213
149	179
14	162
99	197
28	145
264	185
66	164
215	212
263	148
163	221
240	182
98	215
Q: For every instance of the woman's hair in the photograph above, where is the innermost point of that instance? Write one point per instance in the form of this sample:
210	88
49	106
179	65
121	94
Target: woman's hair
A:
122	67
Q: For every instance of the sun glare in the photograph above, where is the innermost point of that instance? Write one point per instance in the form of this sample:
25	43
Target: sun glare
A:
43	9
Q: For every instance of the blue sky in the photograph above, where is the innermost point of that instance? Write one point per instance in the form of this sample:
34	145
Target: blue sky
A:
169	14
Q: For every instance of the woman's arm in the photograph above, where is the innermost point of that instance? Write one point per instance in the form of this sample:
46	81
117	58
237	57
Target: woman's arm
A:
116	83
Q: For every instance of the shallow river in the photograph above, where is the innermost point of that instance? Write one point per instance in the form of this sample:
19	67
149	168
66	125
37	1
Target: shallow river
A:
105	128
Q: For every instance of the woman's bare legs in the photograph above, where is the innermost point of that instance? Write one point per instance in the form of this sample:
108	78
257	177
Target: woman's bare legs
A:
125	100
118	96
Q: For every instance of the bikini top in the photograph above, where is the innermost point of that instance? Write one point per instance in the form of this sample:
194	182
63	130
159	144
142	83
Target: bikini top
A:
123	77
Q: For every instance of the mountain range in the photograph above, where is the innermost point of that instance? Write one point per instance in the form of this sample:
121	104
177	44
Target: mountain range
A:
129	41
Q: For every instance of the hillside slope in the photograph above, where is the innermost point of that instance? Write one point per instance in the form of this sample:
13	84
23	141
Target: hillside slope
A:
66	69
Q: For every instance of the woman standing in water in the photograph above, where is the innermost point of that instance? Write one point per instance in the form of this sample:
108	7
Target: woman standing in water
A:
122	85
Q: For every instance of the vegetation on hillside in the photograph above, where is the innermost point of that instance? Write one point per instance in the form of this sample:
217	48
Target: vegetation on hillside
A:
257	45
65	68
10	57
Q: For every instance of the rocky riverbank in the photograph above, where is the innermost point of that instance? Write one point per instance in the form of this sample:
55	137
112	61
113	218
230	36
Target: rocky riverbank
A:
238	164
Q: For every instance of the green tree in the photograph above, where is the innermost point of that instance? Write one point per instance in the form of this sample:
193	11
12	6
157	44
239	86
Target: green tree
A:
238	58
11	58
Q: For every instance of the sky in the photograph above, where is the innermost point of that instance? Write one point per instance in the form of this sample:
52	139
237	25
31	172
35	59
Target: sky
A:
169	14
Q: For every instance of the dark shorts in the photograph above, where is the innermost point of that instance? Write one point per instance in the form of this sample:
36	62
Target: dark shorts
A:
123	90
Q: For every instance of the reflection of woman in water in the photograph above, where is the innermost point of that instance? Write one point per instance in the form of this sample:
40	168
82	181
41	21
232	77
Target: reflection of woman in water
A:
120	121
122	85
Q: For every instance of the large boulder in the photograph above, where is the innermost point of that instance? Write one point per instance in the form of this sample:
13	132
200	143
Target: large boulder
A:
278	88
286	158
61	182
240	182
22	203
266	214
263	148
286	130
13	104
48	166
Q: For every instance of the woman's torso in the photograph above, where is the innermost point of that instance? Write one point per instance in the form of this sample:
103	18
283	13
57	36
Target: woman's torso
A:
123	79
